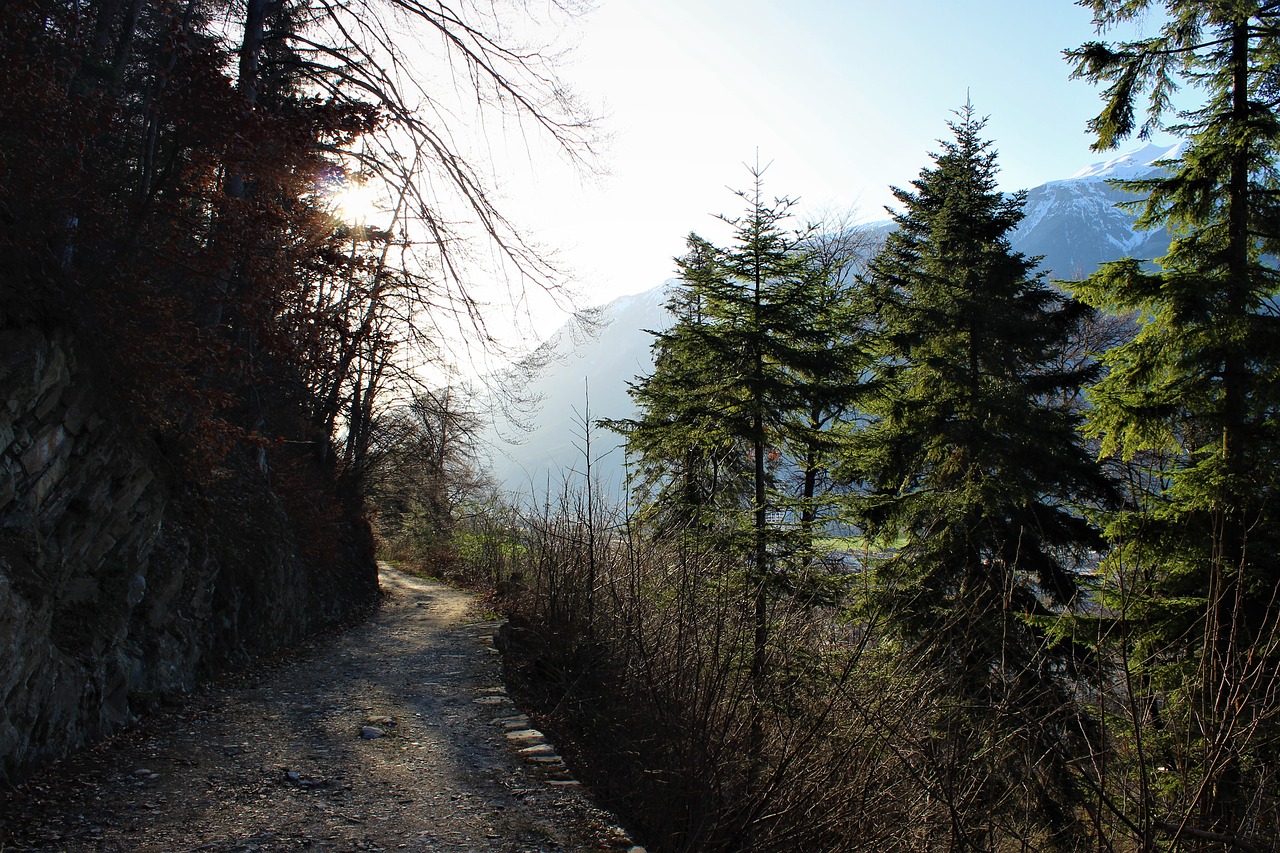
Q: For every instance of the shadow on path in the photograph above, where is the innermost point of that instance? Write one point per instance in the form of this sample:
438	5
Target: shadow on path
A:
395	735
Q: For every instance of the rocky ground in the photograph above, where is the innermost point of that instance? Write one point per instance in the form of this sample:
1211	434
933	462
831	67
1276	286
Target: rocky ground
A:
394	735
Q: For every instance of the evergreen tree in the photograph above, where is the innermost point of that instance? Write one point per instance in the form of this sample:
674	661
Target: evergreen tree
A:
763	357
973	481
1194	398
754	352
829	383
692	469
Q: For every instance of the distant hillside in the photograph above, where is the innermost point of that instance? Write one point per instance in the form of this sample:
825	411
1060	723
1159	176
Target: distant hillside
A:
1073	224
526	462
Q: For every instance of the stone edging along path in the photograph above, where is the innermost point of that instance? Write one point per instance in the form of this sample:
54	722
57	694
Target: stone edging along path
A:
393	735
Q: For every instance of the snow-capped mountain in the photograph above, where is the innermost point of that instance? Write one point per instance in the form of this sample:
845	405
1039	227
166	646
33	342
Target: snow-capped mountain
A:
1073	224
1076	224
1132	164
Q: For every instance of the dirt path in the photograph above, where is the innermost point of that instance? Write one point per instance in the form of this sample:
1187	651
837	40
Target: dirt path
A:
395	735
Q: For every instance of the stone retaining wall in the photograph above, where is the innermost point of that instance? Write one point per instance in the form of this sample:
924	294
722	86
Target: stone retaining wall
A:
118	585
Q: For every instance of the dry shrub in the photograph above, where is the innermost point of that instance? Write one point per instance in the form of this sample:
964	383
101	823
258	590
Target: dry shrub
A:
634	649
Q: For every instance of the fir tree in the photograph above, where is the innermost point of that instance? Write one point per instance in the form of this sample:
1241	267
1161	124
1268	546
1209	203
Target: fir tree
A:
763	357
1194	398
974	479
750	370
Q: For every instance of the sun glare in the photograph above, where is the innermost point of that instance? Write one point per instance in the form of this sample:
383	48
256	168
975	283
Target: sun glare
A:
355	203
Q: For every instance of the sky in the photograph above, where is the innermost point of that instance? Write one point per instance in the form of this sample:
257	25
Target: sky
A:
839	98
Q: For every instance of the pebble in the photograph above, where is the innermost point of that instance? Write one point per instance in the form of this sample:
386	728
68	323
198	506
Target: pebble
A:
372	733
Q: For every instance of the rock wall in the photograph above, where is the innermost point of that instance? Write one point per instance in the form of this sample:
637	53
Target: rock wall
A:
118	584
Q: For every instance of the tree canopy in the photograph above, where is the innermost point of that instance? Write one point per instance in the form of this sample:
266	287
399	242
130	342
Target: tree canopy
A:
975	482
1191	401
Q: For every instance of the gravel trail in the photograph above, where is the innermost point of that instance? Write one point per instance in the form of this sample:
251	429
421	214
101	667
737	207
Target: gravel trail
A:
394	735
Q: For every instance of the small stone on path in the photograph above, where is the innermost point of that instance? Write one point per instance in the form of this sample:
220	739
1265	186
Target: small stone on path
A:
372	733
520	722
525	735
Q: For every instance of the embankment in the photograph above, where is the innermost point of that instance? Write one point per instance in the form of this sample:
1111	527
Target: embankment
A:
122	582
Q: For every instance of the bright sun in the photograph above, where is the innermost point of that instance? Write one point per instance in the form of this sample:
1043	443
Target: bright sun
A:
355	203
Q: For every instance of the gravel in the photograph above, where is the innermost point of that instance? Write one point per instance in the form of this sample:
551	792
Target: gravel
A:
395	735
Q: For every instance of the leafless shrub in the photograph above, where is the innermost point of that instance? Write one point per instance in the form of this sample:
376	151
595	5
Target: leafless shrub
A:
646	677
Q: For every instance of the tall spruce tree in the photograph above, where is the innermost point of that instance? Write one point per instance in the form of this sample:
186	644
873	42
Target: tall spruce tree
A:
695	467
748	371
763	357
1194	398
973	481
